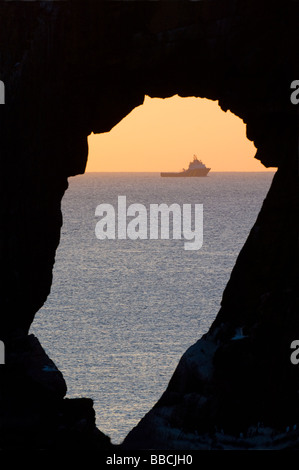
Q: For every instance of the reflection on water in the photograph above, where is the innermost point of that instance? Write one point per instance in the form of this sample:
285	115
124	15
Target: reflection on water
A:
122	312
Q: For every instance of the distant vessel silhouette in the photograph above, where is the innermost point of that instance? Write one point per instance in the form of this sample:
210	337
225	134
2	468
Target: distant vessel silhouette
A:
196	168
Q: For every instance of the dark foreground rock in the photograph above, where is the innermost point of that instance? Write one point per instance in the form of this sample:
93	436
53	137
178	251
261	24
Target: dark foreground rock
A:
34	413
72	68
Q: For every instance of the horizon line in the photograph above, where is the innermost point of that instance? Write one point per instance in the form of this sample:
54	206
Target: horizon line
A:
161	171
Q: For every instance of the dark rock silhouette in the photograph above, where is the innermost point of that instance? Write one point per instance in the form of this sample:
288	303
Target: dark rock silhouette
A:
72	68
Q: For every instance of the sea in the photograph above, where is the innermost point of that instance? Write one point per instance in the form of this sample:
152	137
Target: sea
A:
123	311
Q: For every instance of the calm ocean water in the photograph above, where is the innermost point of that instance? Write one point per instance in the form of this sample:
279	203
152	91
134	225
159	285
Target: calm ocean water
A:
122	312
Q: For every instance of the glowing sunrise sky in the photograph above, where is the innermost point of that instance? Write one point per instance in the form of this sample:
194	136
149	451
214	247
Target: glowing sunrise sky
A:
164	134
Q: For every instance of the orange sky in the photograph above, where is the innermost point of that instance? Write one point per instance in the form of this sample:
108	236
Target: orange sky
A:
163	135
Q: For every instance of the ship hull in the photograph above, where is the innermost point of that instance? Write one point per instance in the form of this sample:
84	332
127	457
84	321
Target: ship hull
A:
196	172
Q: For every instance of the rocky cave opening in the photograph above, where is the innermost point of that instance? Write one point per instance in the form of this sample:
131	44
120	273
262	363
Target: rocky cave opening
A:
72	68
89	361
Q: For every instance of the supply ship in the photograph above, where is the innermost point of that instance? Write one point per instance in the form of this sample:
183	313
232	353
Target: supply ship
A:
196	168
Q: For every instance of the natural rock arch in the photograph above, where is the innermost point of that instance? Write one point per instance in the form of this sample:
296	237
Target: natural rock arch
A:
71	68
